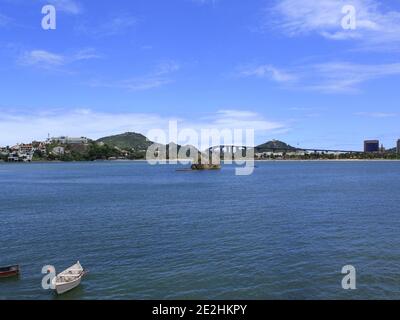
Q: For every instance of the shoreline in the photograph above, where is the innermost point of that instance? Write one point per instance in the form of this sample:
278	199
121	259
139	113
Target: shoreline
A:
186	162
328	160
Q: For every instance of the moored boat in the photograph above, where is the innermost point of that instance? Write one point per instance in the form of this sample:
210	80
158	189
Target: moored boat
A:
69	279
10	271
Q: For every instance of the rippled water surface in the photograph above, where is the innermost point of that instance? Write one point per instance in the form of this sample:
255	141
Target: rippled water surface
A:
150	232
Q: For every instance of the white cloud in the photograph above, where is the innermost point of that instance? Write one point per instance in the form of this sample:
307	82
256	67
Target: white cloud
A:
67	6
238	119
301	17
267	71
346	77
166	67
4	20
42	58
146	47
377	114
119	23
24	127
133	84
330	77
49	60
79	122
112	26
160	76
205	2
85	54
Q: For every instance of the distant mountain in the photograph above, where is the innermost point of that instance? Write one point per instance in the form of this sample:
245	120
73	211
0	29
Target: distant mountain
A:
128	141
275	145
137	142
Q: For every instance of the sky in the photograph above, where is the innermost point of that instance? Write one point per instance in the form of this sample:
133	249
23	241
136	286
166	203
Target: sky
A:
289	69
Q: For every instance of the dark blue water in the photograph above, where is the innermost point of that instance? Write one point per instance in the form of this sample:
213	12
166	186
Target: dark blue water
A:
149	232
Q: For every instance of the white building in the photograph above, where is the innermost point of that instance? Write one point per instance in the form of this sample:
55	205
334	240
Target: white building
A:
21	152
59	151
20	157
69	140
4	151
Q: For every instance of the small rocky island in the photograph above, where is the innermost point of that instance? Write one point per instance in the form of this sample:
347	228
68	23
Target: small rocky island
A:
205	166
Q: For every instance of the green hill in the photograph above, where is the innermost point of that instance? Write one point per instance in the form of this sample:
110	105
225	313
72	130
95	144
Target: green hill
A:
135	142
128	141
275	145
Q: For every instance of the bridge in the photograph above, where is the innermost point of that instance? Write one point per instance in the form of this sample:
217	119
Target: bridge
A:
229	149
311	150
328	151
232	149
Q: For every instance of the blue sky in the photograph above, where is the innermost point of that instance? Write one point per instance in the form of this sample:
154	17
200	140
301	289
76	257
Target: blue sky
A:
286	68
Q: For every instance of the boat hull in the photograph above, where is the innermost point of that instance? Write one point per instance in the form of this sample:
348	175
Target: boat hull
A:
9	272
68	286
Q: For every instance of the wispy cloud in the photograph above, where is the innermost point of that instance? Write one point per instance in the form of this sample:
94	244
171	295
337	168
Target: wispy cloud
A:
205	2
23	127
377	114
330	77
375	25
146	47
76	122
305	109
266	71
346	77
160	76
4	20
133	84
112	26
41	58
67	6
243	119
48	60
85	54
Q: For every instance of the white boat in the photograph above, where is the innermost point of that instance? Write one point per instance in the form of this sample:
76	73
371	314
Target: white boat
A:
69	279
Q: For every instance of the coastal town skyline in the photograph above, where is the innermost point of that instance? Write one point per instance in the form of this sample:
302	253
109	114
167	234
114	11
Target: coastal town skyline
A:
135	146
85	139
133	67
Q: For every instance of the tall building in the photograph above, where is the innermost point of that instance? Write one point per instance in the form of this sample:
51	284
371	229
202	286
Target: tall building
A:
398	146
371	146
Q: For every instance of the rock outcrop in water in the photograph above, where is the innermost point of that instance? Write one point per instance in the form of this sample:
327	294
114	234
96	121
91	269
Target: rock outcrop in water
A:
206	166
